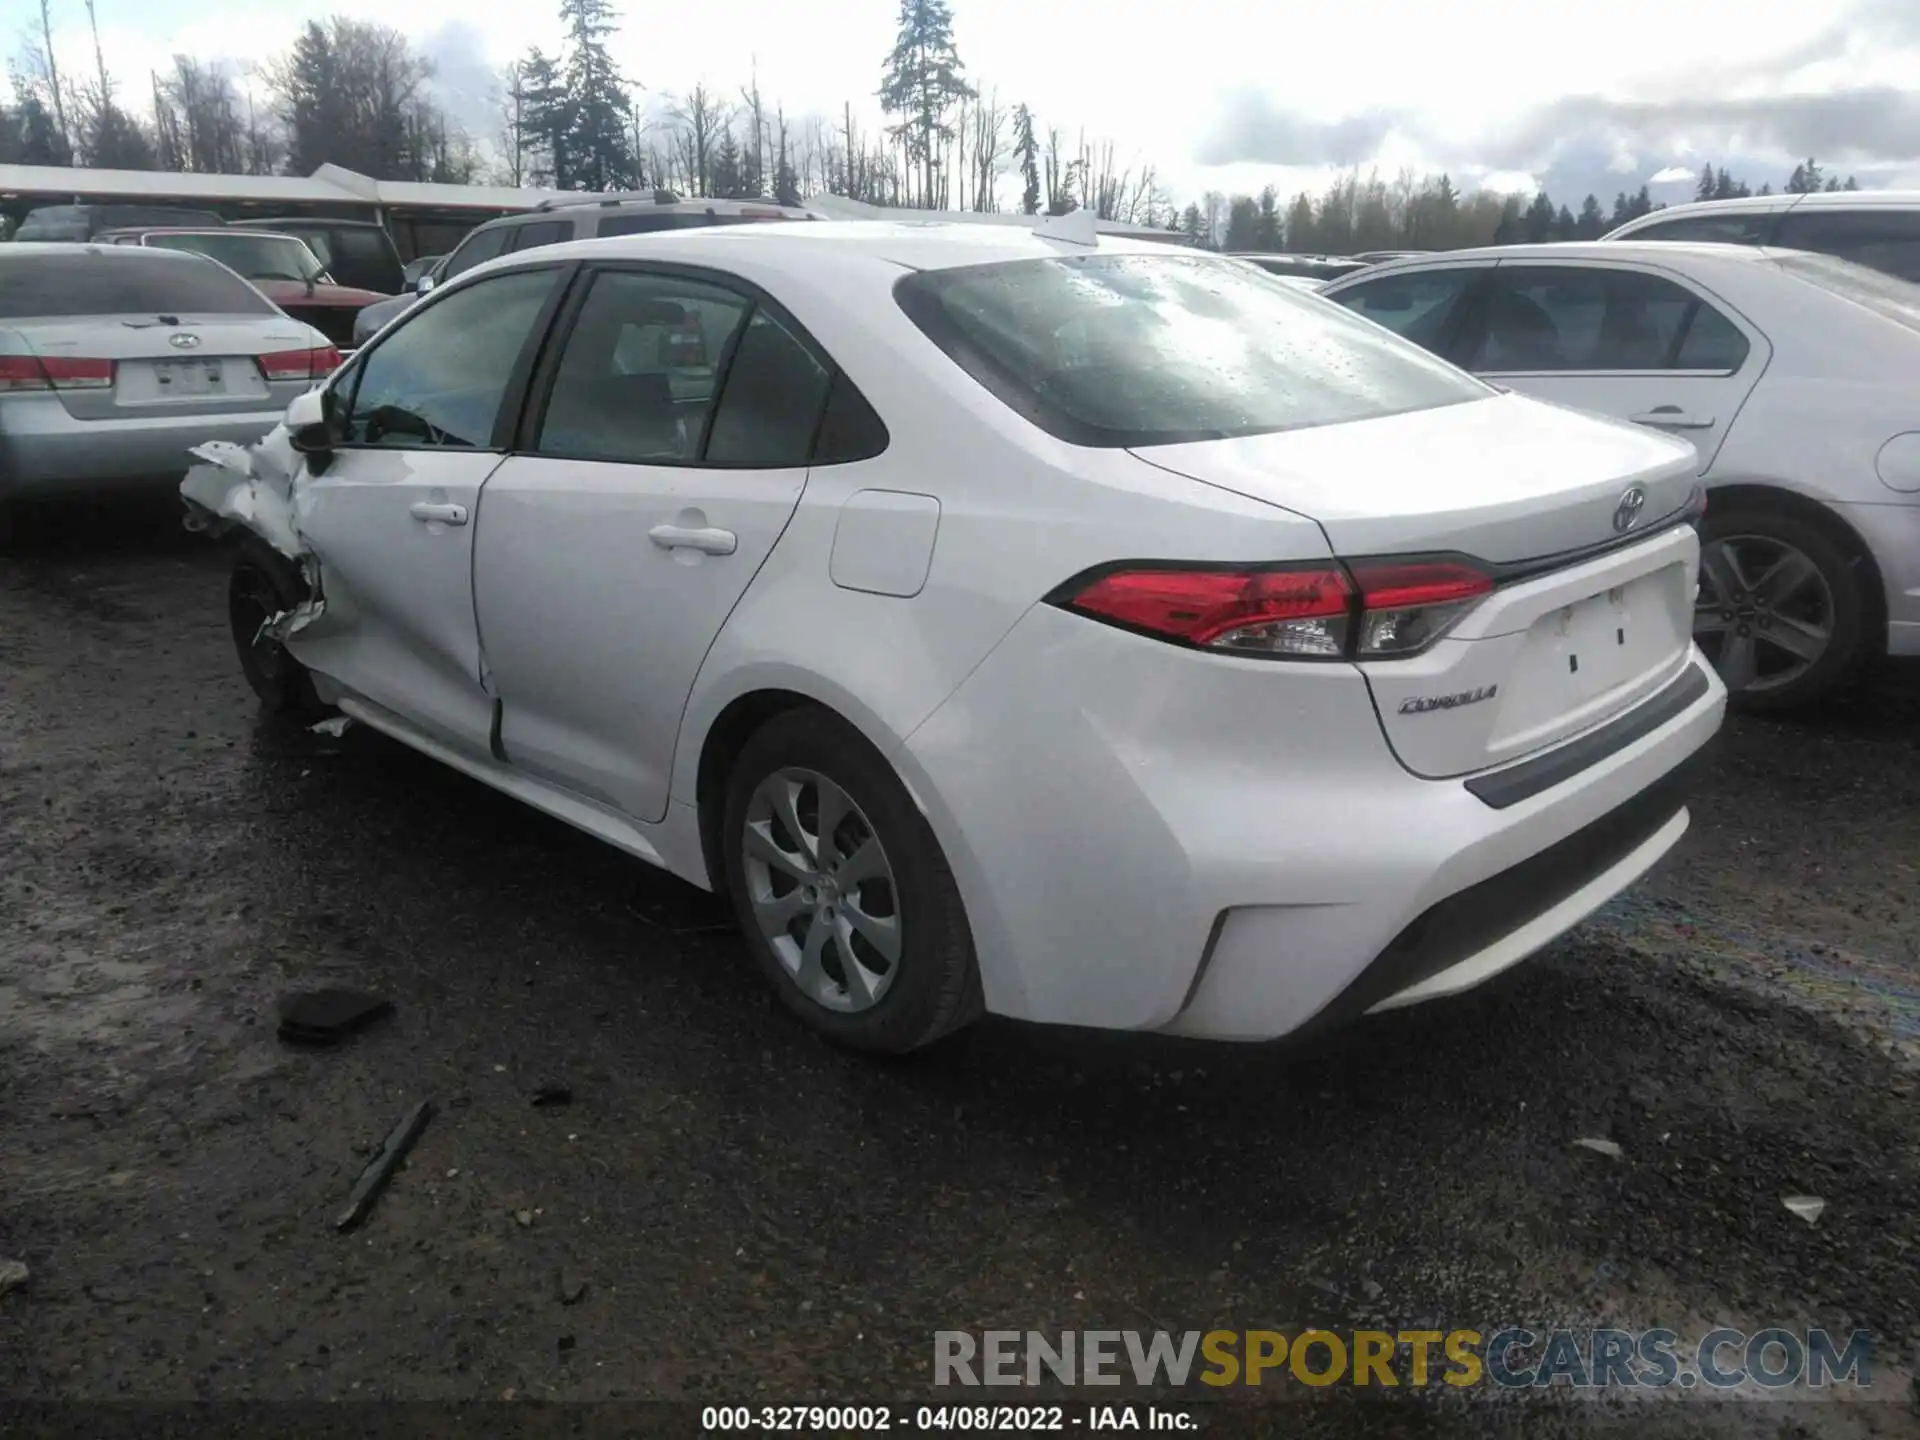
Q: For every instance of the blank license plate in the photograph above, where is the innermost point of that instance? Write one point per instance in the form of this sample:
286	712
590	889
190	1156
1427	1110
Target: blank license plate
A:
190	377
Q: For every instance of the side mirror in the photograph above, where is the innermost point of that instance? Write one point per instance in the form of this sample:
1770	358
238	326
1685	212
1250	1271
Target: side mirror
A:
306	421
423	284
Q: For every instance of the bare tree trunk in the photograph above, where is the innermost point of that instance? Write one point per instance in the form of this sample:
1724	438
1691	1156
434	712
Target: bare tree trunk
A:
53	72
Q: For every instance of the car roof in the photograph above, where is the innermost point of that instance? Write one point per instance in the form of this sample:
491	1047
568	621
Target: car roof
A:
191	230
1668	251
909	245
1774	205
94	247
326	220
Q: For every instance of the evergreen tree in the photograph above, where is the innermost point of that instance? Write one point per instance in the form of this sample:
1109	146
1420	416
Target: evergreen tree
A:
1592	224
1538	222
41	142
1622	212
725	183
1243	223
786	184
1706	190
1565	227
547	121
601	144
1192	224
1302	231
1268	227
1026	150
921	83
1805	179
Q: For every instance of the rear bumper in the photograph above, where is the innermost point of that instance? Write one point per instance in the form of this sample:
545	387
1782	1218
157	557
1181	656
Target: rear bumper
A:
1892	533
46	454
1158	840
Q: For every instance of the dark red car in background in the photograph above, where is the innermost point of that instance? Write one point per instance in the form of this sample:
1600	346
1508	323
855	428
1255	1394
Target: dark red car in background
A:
281	267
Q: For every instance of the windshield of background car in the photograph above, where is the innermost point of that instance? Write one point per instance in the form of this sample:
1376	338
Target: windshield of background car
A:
1131	350
122	282
258	257
1886	295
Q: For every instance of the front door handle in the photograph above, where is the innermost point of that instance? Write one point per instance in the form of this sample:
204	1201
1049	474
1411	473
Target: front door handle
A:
445	514
1672	417
706	540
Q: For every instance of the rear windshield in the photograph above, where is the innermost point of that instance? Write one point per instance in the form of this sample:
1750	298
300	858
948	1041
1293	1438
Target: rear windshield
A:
121	281
1886	295
1113	350
258	257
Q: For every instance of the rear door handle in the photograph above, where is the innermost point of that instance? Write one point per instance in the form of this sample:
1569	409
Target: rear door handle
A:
445	514
1672	417
706	540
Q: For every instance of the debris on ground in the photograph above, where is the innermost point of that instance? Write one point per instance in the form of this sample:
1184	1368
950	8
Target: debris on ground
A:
336	726
14	1274
569	1291
524	1218
1600	1147
1807	1207
380	1170
326	1017
553	1094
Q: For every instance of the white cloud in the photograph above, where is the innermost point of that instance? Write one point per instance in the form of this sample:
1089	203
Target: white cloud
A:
1670	175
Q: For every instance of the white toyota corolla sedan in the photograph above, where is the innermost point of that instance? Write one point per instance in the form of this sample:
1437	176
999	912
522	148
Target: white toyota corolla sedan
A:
1096	634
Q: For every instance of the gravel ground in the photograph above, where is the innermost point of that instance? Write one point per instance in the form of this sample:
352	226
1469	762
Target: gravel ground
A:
756	1217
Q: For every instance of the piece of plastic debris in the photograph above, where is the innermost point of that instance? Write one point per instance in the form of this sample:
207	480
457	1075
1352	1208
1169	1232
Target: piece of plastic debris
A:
13	1275
1600	1147
326	1017
380	1170
550	1095
524	1217
1807	1207
336	726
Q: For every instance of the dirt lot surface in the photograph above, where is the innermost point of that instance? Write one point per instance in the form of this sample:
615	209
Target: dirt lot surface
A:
741	1214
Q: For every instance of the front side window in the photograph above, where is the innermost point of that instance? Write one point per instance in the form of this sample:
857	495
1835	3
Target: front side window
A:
1420	305
1573	318
1883	240
440	377
636	379
1135	350
130	281
476	249
546	232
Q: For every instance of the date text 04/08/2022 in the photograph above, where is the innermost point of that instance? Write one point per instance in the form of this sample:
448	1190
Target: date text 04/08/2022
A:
878	1419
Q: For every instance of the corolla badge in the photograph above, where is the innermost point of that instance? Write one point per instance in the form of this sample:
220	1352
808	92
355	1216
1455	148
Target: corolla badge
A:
1424	704
183	341
1626	514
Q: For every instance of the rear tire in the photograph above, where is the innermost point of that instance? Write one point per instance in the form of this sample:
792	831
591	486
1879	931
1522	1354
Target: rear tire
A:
1783	607
876	882
264	583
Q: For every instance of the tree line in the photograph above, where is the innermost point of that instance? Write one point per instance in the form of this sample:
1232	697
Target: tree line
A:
1413	212
356	94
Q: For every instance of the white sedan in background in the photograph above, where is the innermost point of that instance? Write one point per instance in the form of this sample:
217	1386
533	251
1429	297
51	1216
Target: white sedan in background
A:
1796	377
1098	634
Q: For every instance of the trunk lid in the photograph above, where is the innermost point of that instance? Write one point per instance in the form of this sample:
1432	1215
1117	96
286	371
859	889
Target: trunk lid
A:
1584	621
155	370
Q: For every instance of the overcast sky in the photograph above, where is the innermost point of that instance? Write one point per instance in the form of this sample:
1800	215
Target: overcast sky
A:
1223	94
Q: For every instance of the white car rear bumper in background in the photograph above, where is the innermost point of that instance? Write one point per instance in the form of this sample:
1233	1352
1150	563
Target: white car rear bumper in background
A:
1152	838
46	453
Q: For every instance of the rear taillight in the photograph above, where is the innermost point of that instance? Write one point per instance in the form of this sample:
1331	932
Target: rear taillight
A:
300	364
53	372
1361	610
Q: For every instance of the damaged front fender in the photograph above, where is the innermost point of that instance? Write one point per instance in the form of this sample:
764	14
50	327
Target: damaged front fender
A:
258	488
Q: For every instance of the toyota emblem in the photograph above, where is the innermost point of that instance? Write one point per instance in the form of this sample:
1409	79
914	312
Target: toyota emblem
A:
183	341
1627	513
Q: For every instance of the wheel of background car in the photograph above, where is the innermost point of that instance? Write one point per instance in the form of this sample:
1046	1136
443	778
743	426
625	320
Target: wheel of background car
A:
1782	606
264	583
842	891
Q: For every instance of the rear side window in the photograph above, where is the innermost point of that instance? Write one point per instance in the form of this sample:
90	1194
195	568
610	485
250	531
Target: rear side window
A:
849	430
122	281
1420	306
1883	240
547	232
1137	350
1575	318
635	382
1890	298
1747	229
771	405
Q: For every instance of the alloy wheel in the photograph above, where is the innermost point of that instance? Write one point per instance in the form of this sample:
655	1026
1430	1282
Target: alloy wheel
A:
1765	613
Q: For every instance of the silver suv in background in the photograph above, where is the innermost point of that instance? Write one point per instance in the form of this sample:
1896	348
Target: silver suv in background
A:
1876	228
591	216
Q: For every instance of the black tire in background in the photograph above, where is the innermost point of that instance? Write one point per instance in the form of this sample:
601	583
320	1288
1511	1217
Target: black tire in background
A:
1841	597
936	989
262	584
